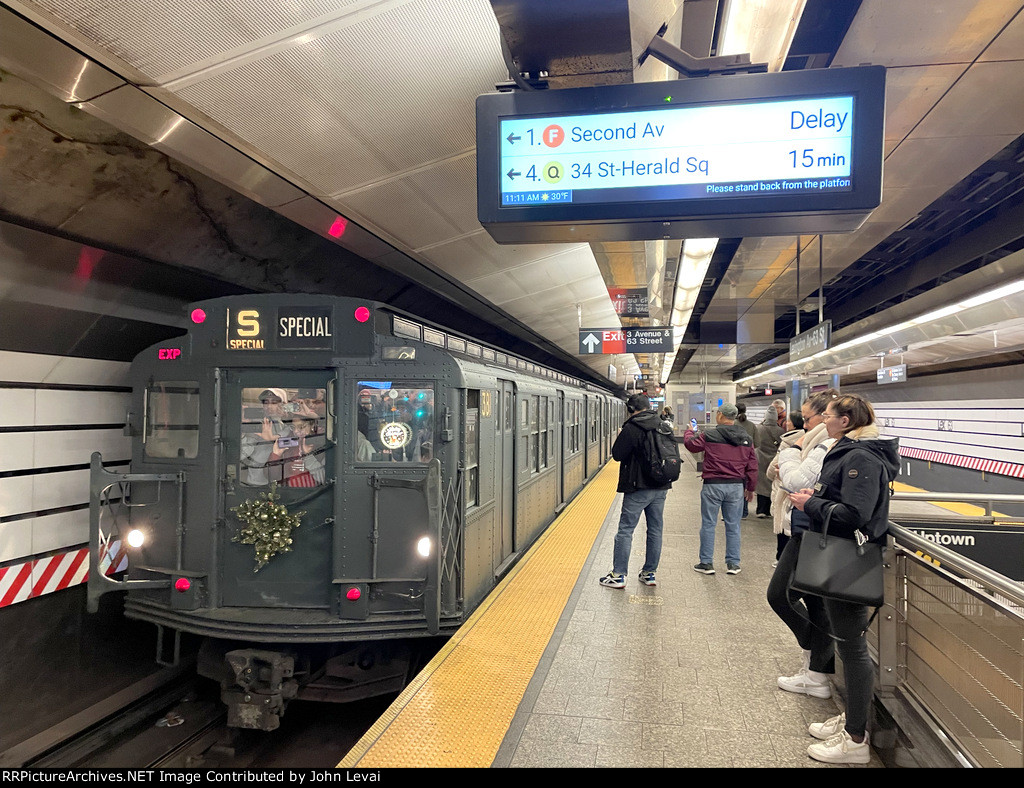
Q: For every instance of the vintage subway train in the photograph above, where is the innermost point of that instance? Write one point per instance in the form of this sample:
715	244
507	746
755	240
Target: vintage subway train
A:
318	482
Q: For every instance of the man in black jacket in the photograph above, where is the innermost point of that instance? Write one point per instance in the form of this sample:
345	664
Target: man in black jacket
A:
638	495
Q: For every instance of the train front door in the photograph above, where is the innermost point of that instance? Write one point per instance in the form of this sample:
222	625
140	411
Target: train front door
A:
506	473
278	451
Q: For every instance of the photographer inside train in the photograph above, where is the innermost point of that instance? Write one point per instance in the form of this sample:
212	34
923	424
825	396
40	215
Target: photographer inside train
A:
395	424
278	442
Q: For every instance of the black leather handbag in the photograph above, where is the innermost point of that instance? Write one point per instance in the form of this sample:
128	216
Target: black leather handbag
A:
836	568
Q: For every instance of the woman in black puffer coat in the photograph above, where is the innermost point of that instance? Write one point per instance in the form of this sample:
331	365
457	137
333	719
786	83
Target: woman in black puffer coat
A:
854	485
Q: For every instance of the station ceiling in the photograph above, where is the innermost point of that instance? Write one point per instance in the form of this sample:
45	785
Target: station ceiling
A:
364	110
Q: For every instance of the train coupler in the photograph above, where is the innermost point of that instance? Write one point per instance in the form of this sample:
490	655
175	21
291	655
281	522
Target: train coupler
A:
259	687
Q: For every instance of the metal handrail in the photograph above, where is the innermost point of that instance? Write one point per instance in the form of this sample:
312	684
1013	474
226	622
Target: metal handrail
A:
994	581
986	498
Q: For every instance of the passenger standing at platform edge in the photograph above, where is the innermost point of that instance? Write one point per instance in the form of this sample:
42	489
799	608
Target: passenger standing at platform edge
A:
854	485
730	465
637	495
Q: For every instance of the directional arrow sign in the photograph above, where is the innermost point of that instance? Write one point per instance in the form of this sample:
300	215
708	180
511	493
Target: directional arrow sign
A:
589	342
512	174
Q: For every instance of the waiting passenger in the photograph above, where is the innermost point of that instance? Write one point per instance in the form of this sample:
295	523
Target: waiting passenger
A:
730	476
767	444
638	496
796	467
854	487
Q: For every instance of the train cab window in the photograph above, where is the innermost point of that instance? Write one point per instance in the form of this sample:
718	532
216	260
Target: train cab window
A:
172	419
394	422
283	436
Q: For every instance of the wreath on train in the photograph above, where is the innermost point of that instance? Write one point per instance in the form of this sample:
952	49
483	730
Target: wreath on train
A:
268	525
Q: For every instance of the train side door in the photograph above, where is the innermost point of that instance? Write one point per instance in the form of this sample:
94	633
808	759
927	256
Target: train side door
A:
507	471
560	447
278	433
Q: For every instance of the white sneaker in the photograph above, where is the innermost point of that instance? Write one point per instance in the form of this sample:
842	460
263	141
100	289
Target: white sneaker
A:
804	684
828	728
841	748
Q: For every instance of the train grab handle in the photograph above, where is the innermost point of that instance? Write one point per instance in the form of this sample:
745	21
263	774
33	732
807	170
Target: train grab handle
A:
100	481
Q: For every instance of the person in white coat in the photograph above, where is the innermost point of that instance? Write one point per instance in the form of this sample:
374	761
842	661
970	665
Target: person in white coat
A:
797	467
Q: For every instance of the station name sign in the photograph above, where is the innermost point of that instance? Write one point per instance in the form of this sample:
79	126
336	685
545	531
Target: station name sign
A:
730	155
653	339
811	341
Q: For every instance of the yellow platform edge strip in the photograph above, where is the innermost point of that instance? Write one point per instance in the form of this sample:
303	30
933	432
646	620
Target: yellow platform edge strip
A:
456	712
957	507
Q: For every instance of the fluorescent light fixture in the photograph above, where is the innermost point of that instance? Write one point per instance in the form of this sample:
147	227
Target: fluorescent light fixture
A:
993	295
937	314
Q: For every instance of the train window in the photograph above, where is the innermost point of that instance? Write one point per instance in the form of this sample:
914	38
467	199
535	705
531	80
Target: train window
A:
542	433
172	419
283	436
551	431
394	422
534	438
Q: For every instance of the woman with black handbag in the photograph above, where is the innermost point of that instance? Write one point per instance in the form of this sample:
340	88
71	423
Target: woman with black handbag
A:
852	494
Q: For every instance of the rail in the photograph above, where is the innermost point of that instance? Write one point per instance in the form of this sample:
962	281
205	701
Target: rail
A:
980	498
949	642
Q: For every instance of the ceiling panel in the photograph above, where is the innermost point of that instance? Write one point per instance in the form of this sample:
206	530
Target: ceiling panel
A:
478	255
921	32
160	38
358	105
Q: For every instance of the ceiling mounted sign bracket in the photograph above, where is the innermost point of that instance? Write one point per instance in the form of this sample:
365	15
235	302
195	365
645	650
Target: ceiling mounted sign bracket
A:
690	66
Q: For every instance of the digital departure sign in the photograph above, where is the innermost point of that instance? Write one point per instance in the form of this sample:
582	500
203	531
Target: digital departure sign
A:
763	154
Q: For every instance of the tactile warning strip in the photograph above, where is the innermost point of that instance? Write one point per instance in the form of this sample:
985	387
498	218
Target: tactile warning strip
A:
457	711
957	507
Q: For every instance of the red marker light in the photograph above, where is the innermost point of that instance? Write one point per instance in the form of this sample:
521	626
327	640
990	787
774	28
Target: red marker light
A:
362	314
353	594
337	228
198	315
182	584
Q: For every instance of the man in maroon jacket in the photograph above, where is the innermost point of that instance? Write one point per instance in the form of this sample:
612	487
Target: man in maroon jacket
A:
730	465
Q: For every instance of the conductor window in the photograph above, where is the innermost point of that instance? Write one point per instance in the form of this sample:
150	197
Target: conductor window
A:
395	422
283	436
172	419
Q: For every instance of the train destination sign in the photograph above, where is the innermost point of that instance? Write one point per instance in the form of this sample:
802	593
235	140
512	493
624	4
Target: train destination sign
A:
648	339
665	160
896	374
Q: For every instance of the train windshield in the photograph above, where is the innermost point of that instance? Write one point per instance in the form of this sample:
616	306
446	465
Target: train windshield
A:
395	422
172	419
283	436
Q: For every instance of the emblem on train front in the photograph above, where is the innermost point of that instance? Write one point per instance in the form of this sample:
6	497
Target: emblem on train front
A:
395	435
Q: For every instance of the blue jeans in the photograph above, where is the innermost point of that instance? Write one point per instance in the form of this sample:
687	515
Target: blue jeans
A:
652	504
729	499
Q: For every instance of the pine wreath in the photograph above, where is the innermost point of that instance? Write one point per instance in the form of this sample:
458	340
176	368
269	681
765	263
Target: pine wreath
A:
268	525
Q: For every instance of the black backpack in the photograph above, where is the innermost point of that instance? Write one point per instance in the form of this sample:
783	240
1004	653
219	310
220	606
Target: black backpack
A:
659	457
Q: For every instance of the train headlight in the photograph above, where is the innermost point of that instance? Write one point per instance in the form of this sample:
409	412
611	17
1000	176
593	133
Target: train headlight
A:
135	538
423	547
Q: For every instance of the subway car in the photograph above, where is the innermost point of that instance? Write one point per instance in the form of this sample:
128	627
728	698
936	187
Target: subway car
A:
320	483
